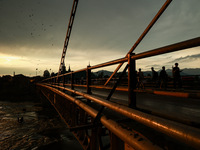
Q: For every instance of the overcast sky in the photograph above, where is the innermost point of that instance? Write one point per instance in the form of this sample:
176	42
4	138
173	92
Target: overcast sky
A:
32	33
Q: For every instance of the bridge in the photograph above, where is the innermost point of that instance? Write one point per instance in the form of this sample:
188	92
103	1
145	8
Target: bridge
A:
117	115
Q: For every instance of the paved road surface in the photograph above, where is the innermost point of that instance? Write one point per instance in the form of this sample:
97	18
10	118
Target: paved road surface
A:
183	109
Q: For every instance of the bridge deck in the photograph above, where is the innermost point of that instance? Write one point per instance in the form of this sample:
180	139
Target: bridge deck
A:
179	109
176	108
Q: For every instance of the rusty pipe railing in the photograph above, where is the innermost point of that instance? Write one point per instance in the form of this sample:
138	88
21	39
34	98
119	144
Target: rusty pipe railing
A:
160	12
184	133
163	50
150	91
168	49
125	135
179	131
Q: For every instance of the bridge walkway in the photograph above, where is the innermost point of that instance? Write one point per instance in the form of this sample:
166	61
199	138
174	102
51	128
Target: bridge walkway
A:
183	105
148	104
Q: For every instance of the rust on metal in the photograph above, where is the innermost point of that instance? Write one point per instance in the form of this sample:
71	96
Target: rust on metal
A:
75	112
163	8
184	133
131	82
163	50
125	135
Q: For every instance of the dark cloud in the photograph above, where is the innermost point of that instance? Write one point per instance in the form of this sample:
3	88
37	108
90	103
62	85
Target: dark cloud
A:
112	24
98	24
187	58
33	23
155	66
179	22
37	29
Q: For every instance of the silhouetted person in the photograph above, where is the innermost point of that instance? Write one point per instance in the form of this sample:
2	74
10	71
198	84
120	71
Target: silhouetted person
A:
140	77
136	78
163	78
154	77
176	75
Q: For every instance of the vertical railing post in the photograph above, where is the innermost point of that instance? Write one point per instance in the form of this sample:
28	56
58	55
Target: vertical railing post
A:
64	83
88	80
72	80
94	141
131	82
115	142
58	81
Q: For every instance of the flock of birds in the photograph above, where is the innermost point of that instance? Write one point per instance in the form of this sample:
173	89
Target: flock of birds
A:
41	28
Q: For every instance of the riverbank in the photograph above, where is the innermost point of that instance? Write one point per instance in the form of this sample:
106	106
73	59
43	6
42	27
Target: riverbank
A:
41	128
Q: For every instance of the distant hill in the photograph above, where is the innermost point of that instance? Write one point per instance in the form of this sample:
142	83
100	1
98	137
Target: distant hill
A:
186	71
105	72
191	71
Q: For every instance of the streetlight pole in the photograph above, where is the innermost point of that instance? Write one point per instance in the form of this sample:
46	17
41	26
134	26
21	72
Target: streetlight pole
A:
36	71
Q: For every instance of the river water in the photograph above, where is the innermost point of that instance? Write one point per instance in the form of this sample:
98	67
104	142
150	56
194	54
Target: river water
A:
42	128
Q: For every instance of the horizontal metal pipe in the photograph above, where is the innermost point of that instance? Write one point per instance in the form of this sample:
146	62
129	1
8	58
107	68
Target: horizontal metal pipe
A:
186	134
153	21
142	35
98	87
113	62
61	75
168	49
84	69
174	94
55	107
122	133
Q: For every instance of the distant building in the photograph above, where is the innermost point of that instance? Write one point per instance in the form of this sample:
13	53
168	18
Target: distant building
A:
63	69
69	70
7	78
53	74
46	74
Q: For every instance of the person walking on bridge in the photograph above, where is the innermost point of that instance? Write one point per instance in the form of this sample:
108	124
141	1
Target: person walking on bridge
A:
163	78
154	77
140	77
176	76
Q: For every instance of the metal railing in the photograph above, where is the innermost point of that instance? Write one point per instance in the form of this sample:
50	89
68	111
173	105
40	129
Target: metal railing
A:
78	114
131	76
184	133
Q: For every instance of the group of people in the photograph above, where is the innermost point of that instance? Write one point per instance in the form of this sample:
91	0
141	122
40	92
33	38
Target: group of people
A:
161	79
